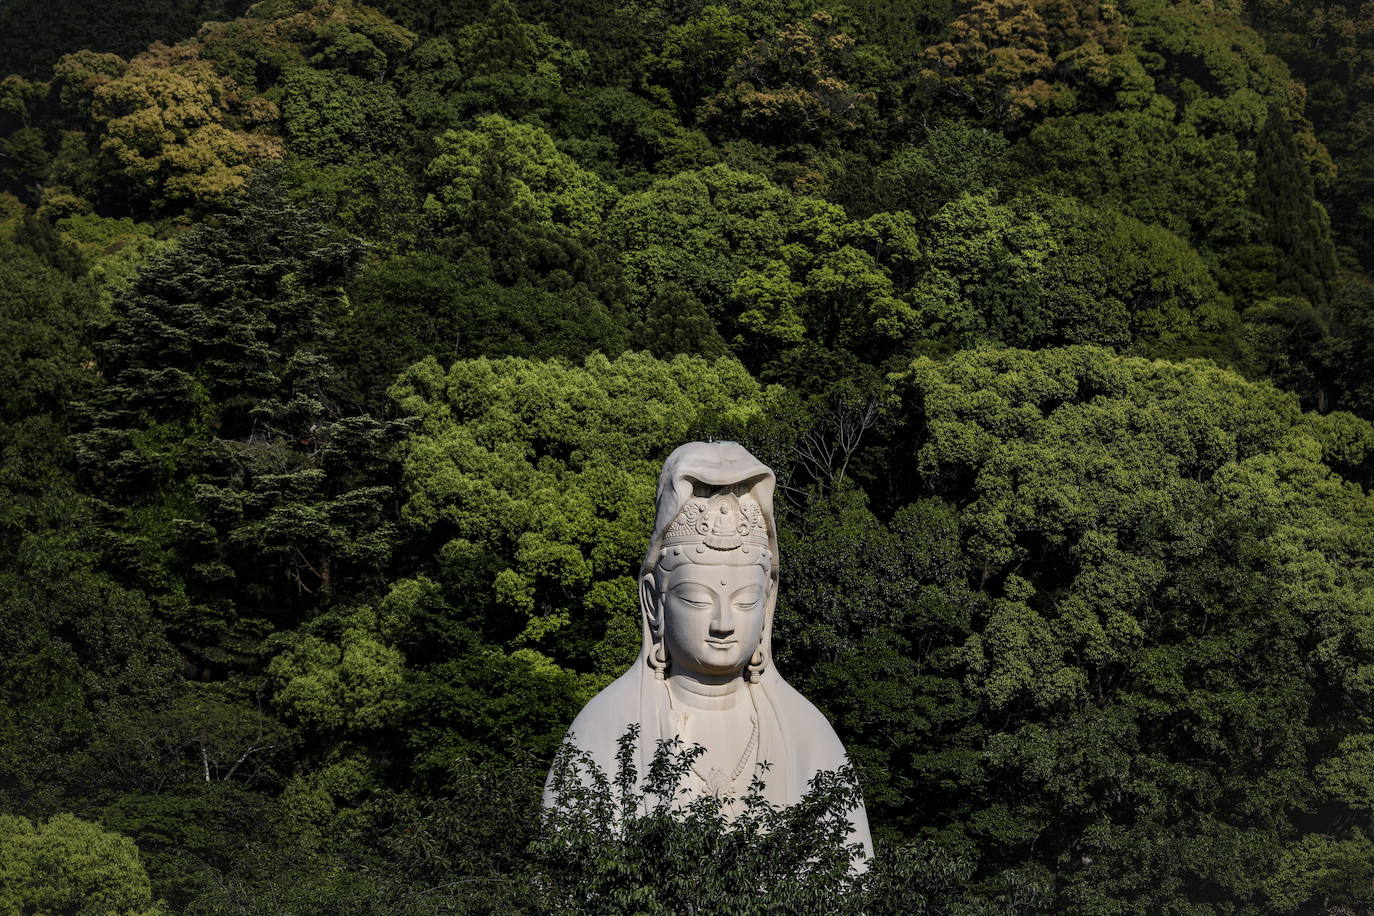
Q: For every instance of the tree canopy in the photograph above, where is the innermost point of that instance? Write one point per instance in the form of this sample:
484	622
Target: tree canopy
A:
341	343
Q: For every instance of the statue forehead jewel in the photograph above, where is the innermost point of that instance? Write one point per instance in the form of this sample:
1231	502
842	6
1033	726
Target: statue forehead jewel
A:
724	521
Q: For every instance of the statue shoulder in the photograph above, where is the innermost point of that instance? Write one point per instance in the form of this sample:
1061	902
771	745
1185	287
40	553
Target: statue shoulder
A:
807	727
607	715
598	728
816	747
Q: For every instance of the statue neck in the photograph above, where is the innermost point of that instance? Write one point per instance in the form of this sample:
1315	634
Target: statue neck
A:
705	692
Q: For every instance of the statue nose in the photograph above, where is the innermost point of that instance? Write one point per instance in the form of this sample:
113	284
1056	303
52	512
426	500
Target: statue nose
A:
723	621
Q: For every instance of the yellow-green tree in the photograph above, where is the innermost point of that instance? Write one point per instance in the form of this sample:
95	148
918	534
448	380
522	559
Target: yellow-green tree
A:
166	127
549	470
67	865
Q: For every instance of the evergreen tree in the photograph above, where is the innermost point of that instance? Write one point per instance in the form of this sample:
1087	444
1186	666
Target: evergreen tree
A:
1296	223
242	483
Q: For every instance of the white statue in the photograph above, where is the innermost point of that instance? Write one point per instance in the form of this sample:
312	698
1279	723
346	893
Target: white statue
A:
707	589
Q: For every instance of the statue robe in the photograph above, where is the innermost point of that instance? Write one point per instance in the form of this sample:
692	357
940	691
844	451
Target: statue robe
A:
795	739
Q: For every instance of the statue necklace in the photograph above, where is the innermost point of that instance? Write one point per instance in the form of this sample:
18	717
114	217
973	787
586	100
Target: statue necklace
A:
715	783
743	757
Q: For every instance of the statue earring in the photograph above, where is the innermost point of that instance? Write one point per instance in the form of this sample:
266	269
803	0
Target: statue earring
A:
658	660
756	664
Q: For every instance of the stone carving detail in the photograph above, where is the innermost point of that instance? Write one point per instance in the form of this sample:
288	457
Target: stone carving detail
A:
707	590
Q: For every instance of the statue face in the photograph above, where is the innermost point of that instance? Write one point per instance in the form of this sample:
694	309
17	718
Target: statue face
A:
713	616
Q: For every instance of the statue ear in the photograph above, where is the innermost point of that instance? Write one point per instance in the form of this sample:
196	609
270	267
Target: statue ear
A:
652	609
758	662
649	604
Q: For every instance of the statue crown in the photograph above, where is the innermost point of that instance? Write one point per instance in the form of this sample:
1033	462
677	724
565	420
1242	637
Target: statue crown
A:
721	522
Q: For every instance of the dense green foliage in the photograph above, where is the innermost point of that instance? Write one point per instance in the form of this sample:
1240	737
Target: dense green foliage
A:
341	343
68	865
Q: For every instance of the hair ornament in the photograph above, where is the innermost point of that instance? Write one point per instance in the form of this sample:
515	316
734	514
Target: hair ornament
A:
721	522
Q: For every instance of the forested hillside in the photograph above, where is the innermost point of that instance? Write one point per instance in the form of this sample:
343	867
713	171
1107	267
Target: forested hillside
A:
341	343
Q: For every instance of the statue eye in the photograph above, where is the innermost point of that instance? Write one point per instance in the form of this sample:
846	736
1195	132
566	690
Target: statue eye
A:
748	600
693	598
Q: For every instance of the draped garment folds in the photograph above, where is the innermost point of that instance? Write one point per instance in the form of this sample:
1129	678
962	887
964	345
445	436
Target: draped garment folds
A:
794	738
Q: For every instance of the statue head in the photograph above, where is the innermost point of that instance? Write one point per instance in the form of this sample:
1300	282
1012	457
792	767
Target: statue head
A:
708	584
